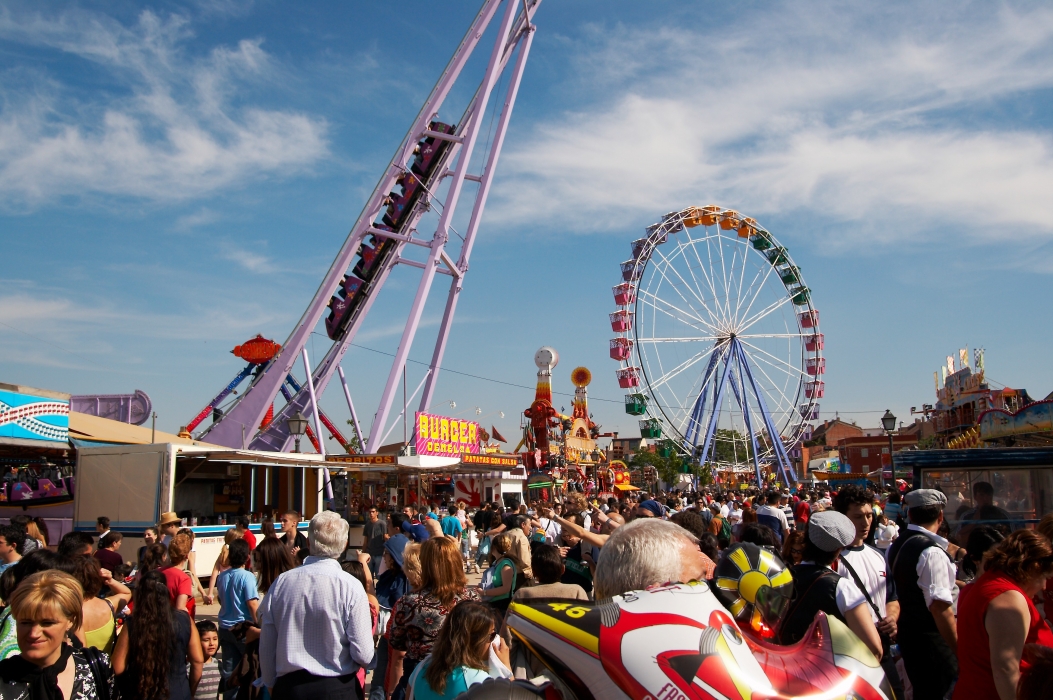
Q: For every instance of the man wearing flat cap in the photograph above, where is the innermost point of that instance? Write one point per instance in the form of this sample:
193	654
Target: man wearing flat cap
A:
817	586
928	597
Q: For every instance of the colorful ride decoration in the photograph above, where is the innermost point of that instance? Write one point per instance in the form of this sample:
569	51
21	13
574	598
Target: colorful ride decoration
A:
560	448
677	641
258	352
718	341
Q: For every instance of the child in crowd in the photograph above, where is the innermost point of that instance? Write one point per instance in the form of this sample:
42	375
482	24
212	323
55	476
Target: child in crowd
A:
208	686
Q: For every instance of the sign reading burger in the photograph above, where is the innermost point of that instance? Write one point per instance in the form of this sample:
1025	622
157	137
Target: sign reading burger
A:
441	436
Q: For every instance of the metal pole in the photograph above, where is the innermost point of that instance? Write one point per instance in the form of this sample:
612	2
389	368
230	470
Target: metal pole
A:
405	423
891	464
153	429
323	473
351	407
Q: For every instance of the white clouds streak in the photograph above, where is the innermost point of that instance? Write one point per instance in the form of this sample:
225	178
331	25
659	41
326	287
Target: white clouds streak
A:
172	127
850	112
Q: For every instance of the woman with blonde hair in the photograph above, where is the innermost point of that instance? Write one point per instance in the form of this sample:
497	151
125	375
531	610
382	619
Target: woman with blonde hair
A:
189	565
221	564
507	574
411	565
47	607
417	616
997	618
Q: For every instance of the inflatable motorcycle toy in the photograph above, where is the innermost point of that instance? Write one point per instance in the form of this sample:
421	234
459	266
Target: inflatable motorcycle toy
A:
679	642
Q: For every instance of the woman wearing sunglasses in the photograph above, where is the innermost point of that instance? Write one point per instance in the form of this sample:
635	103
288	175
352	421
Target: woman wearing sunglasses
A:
460	657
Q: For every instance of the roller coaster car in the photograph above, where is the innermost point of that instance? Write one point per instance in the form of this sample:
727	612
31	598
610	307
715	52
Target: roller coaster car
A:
429	150
677	641
365	267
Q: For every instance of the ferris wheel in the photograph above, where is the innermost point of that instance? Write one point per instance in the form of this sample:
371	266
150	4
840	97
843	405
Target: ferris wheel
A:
719	342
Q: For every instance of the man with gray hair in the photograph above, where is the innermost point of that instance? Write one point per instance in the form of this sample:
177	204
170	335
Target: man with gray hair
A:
315	623
647	552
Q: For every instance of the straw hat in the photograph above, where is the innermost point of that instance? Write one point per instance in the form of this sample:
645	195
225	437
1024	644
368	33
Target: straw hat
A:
168	517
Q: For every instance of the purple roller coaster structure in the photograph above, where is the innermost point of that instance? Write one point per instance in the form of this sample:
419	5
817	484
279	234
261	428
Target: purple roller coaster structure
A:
430	153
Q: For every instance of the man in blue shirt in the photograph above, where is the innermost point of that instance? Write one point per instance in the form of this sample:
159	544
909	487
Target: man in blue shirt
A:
238	600
315	622
451	526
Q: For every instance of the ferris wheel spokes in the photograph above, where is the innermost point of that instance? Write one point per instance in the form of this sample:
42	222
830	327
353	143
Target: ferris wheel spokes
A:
696	292
651	302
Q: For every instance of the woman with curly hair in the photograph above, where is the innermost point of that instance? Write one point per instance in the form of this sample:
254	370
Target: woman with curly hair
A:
157	643
997	618
460	657
47	607
417	616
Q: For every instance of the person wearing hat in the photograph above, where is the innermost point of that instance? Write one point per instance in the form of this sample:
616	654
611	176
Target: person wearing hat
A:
928	598
649	509
817	586
168	524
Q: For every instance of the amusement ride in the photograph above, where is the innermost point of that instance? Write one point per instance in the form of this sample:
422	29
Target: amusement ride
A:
431	172
718	342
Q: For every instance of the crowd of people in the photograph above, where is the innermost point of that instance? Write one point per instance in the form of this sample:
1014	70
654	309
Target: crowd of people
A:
949	612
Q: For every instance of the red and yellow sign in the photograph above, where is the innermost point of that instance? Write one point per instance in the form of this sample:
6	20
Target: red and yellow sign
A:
441	436
491	460
363	459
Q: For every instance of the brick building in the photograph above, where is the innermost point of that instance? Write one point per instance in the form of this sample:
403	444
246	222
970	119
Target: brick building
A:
863	453
824	439
624	448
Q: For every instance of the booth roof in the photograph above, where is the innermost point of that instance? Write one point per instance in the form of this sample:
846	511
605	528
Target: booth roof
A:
87	428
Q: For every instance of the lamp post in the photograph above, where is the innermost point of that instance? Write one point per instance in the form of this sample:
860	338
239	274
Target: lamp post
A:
888	422
297	426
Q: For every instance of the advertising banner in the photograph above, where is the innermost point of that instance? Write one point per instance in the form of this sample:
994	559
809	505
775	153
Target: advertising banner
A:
441	436
491	460
33	414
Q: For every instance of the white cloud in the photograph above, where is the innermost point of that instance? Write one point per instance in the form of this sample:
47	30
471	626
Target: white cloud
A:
251	260
855	113
172	130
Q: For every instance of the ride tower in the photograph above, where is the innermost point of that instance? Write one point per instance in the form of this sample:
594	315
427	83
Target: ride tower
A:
432	169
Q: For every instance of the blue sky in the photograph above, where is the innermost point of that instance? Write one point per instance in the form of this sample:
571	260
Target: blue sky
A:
176	177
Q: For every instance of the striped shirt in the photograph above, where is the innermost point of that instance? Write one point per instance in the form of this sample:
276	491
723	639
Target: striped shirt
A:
208	686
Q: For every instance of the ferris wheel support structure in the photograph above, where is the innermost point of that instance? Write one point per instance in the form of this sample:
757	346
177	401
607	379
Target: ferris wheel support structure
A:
420	165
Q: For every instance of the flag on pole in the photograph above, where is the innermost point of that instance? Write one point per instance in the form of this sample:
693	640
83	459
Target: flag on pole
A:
936	381
950	364
963	357
497	436
978	355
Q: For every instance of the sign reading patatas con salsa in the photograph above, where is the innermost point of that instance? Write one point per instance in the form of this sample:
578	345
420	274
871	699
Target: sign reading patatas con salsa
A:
441	436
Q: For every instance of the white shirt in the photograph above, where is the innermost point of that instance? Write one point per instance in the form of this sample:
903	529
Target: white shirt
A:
848	595
552	530
724	510
315	618
872	569
886	535
936	571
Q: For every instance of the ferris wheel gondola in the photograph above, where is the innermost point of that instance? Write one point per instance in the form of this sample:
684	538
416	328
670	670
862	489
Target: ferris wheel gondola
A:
718	340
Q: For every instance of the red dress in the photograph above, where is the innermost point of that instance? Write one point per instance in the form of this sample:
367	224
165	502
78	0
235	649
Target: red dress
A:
975	679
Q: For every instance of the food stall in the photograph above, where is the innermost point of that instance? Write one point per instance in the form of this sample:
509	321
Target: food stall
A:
206	485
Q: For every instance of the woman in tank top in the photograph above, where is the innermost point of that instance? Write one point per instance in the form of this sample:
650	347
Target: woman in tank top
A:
997	618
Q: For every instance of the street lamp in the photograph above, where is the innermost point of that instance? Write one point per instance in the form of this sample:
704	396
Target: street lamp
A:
888	422
297	426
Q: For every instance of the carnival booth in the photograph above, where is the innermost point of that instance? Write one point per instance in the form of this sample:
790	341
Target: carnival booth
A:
37	459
